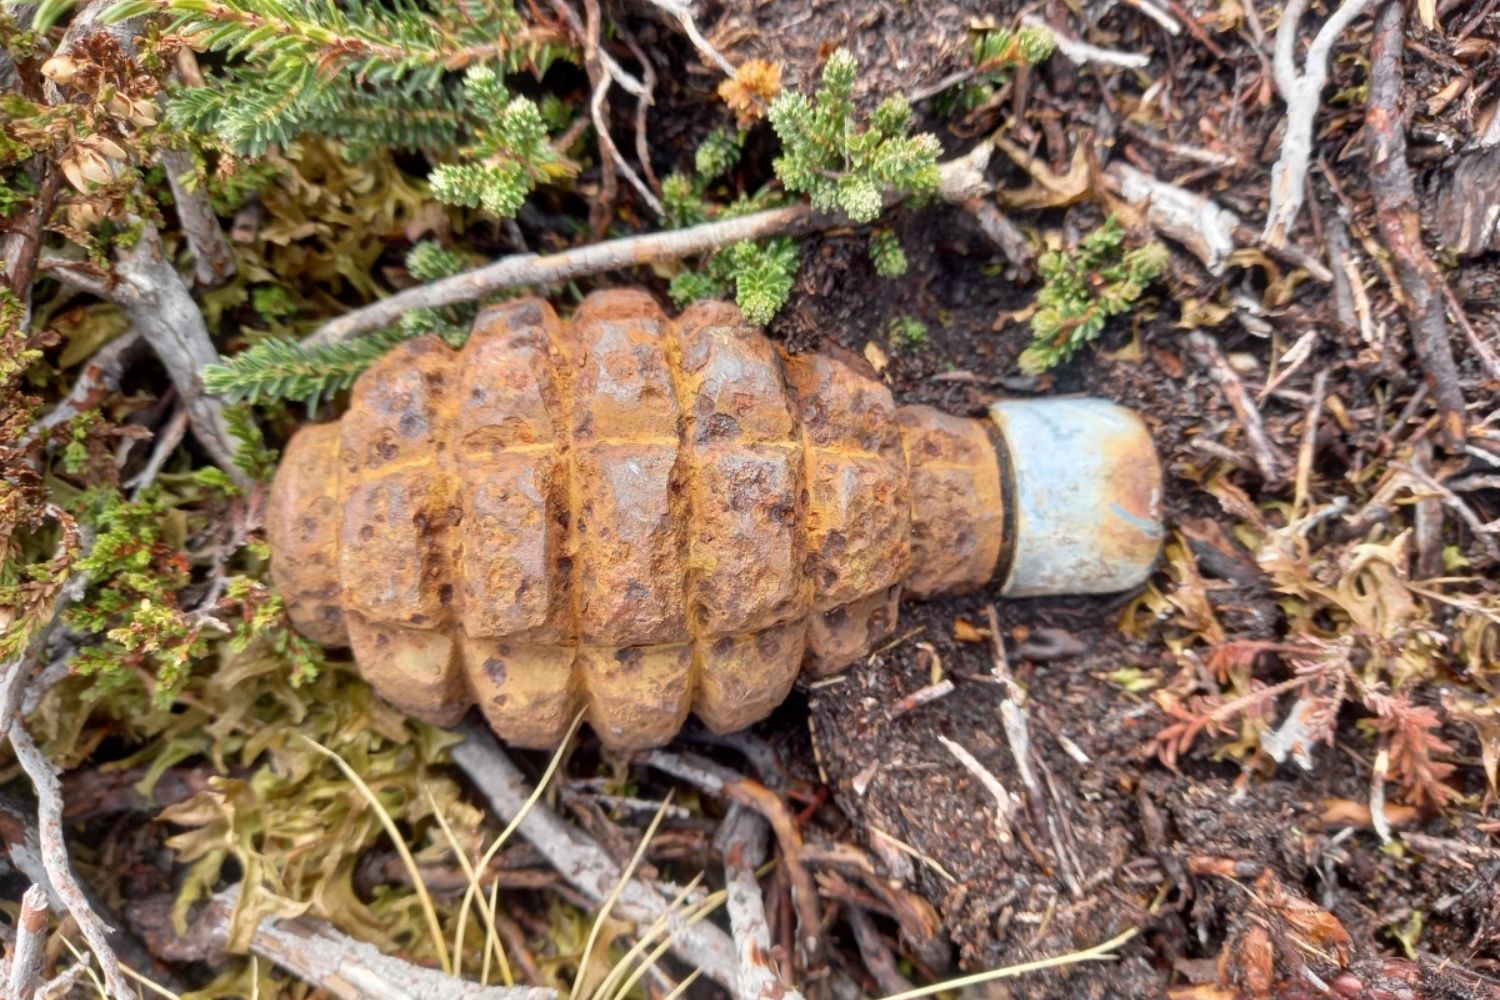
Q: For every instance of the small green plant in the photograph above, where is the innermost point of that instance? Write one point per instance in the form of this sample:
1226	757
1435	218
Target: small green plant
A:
370	76
839	161
758	272
511	153
251	456
906	330
842	164
887	255
284	369
132	607
996	53
1083	288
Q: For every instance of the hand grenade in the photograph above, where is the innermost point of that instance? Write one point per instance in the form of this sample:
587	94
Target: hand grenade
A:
645	517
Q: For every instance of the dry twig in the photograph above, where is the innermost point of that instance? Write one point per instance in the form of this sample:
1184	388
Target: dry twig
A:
29	953
1017	725
1396	209
742	843
958	180
1267	459
95	381
580	860
872	948
319	953
55	858
16	672
213	260
1081	53
1302	93
1210	232
603	73
1005	803
146	286
684	14
922	696
721	781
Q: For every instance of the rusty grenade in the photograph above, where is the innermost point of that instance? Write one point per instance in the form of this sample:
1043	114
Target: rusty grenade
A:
644	517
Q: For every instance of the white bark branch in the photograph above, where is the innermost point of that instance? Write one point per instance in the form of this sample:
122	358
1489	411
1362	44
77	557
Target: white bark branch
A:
213	260
742	842
958	181
161	309
581	861
30	951
55	859
320	954
1302	94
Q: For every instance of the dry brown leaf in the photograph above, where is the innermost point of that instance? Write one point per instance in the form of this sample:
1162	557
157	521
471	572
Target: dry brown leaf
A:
966	631
1349	812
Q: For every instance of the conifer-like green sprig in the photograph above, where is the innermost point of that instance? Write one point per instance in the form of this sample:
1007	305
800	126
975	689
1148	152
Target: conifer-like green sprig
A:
1083	289
371	75
281	368
838	163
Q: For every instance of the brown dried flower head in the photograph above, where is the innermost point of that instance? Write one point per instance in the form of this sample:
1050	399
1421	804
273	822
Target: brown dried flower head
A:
755	85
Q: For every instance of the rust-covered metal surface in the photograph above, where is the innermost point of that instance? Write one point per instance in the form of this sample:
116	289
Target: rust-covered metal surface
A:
640	516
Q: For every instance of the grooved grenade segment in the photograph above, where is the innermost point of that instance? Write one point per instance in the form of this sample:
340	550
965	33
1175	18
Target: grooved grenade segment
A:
642	517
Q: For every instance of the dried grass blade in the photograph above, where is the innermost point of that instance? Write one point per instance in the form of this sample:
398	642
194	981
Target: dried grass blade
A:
434	928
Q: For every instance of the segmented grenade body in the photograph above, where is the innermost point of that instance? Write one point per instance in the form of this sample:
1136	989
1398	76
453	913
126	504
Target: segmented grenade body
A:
640	516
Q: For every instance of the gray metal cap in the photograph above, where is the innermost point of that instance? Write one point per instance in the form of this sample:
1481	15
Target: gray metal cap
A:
1086	492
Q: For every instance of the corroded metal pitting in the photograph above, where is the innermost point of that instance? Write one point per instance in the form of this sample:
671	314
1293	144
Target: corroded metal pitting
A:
646	517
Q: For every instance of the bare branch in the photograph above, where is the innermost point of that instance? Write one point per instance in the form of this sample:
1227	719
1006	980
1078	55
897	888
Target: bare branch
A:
100	377
322	955
1268	460
30	950
1401	225
958	180
742	843
721	781
55	858
872	948
213	260
1303	94
581	861
148	287
161	309
16	672
1081	53
82	276
684	14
